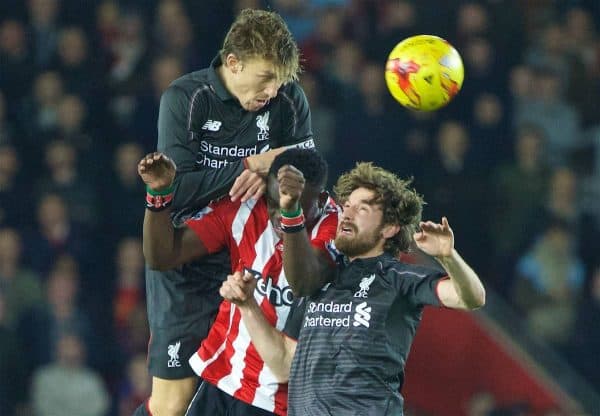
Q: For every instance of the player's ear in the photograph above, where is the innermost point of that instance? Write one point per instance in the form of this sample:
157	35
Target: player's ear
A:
390	230
233	63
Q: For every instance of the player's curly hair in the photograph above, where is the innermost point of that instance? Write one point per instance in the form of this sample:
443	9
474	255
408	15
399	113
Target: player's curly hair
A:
308	161
400	203
263	34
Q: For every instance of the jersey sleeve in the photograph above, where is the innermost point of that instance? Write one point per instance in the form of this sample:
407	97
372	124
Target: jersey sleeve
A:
293	324
419	284
194	187
296	119
211	226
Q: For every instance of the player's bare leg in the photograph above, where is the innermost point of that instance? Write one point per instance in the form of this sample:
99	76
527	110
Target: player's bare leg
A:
171	397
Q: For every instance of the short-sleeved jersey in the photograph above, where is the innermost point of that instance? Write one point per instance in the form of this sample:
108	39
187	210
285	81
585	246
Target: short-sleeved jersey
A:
227	358
355	336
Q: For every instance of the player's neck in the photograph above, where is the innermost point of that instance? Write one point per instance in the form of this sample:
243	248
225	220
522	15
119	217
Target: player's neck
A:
223	74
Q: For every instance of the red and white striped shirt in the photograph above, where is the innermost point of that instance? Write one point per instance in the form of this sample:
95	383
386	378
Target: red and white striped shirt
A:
227	358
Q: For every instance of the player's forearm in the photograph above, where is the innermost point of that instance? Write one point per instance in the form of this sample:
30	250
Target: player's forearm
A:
305	270
272	345
158	239
465	280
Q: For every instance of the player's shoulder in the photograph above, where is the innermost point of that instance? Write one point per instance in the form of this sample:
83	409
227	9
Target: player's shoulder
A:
292	86
397	269
191	80
292	91
189	93
331	207
219	208
189	84
225	205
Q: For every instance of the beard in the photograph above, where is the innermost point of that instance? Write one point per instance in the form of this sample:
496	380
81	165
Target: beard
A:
359	243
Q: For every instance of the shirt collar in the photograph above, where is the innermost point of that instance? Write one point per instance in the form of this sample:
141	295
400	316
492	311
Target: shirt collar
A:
216	81
369	261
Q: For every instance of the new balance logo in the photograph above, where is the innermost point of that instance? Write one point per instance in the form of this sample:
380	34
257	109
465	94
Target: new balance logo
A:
212	125
173	351
362	315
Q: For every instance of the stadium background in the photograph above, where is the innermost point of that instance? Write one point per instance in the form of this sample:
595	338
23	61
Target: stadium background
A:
514	162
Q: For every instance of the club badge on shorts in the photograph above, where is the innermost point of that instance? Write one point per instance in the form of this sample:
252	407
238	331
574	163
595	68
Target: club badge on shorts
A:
173	351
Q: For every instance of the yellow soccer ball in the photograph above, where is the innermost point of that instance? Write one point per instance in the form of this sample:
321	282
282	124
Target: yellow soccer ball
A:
424	72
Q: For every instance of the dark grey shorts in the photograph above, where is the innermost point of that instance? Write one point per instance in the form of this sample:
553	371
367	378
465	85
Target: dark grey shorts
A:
169	351
182	305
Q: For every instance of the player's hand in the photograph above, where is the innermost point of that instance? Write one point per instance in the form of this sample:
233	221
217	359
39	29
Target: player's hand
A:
157	171
291	184
261	163
248	185
435	239
239	288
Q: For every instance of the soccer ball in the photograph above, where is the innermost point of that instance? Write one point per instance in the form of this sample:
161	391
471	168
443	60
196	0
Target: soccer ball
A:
424	72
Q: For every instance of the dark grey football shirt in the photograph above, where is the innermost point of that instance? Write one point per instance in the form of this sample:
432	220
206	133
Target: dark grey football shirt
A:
354	338
203	128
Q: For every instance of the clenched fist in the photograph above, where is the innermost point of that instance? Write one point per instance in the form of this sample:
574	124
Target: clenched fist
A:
291	185
238	288
157	171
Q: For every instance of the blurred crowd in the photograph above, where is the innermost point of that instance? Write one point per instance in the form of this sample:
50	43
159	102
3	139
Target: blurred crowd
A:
513	162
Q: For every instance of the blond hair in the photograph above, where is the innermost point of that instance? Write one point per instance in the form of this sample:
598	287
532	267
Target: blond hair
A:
263	34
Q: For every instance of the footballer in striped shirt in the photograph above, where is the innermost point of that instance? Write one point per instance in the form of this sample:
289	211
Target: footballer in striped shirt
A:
235	377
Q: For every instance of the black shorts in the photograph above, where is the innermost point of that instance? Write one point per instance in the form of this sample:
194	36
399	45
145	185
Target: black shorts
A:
182	305
209	400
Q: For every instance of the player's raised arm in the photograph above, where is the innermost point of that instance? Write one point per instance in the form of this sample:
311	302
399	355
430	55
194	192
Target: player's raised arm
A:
164	246
463	290
275	348
307	268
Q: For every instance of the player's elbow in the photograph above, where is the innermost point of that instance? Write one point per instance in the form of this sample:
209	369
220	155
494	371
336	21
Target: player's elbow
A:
281	362
157	257
282	375
478	300
157	265
161	267
155	262
481	298
281	367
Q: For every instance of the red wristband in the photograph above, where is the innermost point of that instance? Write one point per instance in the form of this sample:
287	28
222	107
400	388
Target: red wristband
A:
158	202
292	222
